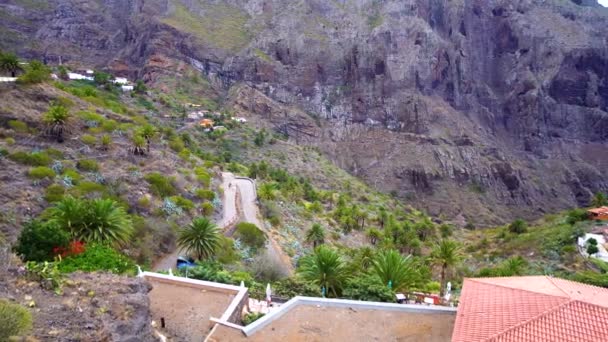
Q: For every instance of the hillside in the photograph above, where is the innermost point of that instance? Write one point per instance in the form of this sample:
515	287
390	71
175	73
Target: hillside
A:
490	110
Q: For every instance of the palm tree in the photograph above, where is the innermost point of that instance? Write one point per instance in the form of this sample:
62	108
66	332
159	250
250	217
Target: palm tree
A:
201	237
316	235
67	214
105	222
599	200
514	266
374	235
99	220
9	63
326	269
447	254
56	119
138	145
147	132
267	191
397	272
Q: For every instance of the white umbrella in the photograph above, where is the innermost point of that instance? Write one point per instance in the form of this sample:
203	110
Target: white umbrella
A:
242	283
268	293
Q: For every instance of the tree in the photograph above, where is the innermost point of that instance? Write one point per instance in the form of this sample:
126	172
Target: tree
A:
513	266
316	235
374	235
99	220
139	143
599	200
56	119
518	226
592	249
201	237
267	191
9	63
446	254
101	78
147	132
368	288
260	138
325	268
397	272
38	240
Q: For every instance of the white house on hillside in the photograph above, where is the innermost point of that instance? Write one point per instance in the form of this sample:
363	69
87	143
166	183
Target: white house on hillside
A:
75	76
121	80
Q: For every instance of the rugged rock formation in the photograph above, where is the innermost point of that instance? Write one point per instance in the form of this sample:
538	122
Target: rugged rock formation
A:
489	108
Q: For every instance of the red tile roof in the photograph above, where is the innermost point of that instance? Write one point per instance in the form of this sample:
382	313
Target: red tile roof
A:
535	309
600	210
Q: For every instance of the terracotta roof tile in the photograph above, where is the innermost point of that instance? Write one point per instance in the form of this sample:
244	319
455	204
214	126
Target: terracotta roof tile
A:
531	309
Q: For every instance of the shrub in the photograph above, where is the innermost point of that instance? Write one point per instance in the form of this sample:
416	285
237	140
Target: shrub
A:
368	288
41	172
9	141
73	174
18	126
518	226
183	203
592	249
576	215
98	258
176	144
54	193
106	141
252	317
227	254
88	139
87	165
592	241
37	241
31	159
86	188
160	185
250	234
16	320
205	194
267	268
207	208
35	72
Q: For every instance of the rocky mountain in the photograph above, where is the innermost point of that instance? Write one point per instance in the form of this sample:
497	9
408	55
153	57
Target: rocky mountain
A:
487	109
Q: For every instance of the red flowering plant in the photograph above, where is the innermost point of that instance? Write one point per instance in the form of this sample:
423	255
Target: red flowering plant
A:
74	248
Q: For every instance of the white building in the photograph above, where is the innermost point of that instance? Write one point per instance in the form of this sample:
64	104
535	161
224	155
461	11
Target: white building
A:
602	253
241	120
121	80
75	76
126	87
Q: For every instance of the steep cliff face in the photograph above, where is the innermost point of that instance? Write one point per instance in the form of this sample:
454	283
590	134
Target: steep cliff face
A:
491	109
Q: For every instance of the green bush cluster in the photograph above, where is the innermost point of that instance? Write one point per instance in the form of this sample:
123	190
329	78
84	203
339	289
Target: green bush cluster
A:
41	172
252	317
54	193
203	176
18	126
35	72
160	185
183	203
87	165
16	320
38	239
205	194
250	234
88	139
98	258
31	159
207	208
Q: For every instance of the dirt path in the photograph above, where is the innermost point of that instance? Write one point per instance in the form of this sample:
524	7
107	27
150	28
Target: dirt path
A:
249	210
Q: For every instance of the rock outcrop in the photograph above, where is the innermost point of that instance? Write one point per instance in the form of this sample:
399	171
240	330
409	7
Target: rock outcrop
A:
488	108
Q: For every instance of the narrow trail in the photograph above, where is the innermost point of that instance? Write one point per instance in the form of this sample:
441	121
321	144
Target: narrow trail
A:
240	205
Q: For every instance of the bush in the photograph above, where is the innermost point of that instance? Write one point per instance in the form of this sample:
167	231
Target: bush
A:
250	234
176	144
54	193
35	72
183	203
210	271
98	258
518	226
41	172
226	253
576	215
207	208
205	194
88	139
31	159
18	126
160	185
592	249
73	174
592	241
106	141
16	320
368	288
252	317
87	165
37	241
294	286
203	176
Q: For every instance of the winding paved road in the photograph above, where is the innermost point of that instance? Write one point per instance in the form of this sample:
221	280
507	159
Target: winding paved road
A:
246	210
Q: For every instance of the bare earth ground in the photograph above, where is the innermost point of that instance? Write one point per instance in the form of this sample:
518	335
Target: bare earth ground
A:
186	310
311	323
